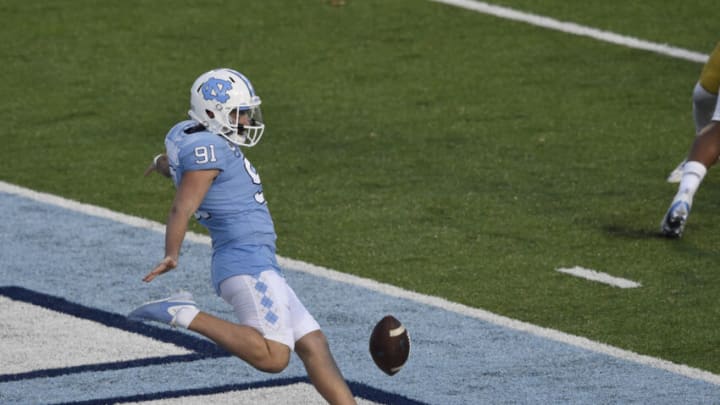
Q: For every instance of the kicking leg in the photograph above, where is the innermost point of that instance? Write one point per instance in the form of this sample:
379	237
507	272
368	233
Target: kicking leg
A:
314	351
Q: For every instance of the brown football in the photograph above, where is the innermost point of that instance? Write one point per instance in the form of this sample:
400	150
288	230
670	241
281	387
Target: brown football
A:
389	345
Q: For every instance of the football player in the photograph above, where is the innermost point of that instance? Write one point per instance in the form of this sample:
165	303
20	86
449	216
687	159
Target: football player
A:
218	184
704	151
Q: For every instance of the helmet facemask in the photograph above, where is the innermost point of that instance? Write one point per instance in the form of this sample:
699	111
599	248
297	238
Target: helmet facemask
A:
245	129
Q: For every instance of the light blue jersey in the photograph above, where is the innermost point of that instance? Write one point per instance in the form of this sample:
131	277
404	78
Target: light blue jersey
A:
234	209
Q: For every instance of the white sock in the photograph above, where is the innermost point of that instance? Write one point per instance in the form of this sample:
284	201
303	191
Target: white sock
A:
693	174
185	315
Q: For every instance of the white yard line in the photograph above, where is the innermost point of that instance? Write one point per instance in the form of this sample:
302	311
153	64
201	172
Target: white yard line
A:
604	278
387	289
576	29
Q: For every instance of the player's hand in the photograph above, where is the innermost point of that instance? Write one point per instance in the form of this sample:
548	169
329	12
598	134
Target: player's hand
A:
159	164
167	264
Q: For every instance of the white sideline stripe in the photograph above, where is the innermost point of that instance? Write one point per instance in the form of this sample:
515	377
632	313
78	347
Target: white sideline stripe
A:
600	277
576	29
387	289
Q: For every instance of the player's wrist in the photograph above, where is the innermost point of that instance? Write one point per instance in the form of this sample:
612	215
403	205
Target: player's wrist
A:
155	160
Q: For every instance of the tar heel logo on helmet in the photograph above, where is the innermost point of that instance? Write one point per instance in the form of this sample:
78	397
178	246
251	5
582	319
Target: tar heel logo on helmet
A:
216	89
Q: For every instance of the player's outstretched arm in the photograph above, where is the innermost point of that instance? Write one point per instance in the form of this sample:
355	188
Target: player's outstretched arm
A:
190	193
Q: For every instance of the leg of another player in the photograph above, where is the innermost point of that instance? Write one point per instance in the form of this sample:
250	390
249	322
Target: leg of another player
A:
706	148
703	154
314	351
244	342
704	105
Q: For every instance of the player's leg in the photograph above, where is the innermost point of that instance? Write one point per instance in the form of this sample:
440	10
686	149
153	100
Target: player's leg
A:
240	340
704	98
264	336
244	342
705	150
314	351
673	222
706	113
704	103
703	154
312	347
703	107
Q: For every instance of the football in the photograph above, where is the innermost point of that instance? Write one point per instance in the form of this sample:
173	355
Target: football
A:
389	345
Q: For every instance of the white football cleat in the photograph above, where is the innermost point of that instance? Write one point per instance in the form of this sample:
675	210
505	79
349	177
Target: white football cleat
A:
673	223
676	175
164	310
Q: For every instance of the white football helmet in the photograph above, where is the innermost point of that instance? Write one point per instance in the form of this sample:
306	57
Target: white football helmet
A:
219	98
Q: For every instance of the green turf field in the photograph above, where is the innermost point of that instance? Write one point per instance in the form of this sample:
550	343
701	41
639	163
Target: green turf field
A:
434	148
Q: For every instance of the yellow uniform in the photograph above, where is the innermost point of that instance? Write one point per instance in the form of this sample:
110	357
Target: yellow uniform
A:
710	76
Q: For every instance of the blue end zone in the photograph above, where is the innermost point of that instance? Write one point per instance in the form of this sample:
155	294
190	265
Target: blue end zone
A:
203	349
